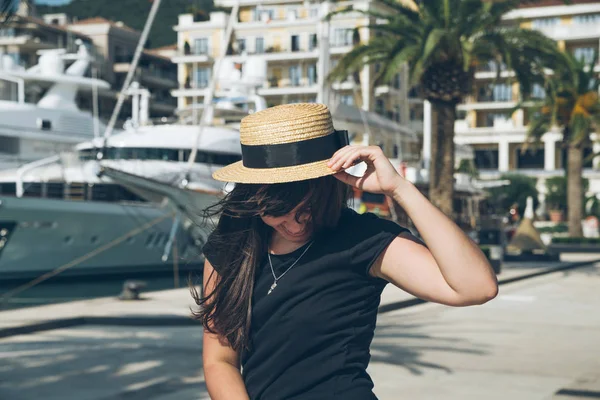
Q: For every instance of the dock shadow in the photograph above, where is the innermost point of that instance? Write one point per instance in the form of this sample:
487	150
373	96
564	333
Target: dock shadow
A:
104	363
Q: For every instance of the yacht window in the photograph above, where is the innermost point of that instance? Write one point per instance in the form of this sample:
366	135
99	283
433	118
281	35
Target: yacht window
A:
86	154
150	240
32	190
54	190
8	188
204	157
44	124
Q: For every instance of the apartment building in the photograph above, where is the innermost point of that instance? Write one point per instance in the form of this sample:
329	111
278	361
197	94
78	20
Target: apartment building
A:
288	35
116	43
111	44
486	120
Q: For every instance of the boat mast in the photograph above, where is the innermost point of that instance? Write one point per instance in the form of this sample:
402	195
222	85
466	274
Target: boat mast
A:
134	63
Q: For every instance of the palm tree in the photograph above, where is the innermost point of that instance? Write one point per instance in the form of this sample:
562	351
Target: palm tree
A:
443	42
8	9
571	104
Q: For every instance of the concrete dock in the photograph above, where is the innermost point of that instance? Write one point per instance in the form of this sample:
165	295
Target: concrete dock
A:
538	340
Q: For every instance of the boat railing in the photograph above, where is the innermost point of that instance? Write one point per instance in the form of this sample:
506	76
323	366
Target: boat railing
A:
30	167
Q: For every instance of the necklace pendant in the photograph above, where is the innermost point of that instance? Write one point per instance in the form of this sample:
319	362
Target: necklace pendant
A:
273	286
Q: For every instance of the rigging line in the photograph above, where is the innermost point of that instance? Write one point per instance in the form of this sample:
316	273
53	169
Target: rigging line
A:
11	293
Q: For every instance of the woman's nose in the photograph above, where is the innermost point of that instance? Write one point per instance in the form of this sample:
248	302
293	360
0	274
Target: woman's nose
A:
294	226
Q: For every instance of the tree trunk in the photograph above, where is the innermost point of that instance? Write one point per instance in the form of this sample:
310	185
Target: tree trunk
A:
575	189
441	169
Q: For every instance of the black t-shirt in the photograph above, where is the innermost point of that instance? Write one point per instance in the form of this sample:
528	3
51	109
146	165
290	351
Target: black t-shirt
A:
310	337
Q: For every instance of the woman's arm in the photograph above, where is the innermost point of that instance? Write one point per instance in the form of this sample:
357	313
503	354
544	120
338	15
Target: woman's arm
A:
452	269
221	363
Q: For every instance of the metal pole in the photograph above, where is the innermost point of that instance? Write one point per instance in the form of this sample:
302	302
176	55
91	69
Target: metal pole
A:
210	91
132	68
95	103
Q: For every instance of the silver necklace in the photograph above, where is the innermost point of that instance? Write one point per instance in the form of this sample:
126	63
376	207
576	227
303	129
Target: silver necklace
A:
275	277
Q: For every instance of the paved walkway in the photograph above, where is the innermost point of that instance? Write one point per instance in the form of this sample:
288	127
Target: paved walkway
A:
537	341
537	338
171	306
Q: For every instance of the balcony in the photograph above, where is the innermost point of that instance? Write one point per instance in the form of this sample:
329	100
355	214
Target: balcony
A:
280	54
488	105
279	87
574	31
191	57
387	89
191	89
485	134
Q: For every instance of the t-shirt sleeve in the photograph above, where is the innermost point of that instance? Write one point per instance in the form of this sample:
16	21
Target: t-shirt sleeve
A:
373	236
209	251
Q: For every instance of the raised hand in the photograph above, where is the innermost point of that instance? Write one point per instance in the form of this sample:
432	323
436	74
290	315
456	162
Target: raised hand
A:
380	176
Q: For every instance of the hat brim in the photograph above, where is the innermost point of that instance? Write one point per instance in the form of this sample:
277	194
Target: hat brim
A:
237	173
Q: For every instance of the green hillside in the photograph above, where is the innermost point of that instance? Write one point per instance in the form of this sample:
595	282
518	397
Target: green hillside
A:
134	13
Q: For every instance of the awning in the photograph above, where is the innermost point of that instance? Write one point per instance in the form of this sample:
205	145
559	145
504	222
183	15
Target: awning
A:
350	118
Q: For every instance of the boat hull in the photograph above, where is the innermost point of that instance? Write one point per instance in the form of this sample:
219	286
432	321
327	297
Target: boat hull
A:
40	235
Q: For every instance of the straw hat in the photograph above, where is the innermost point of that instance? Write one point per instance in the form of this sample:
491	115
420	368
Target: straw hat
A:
286	143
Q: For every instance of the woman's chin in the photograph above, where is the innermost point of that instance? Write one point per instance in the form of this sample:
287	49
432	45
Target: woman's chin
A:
300	237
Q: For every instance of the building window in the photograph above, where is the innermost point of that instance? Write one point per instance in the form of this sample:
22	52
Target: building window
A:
397	113
486	158
312	74
260	45
530	159
295	75
314	12
538	92
491	118
502	92
380	107
267	15
585	54
545	22
7	32
312	42
201	77
122	55
587	19
396	81
295	43
241	45
347	99
201	46
342	37
292	14
587	153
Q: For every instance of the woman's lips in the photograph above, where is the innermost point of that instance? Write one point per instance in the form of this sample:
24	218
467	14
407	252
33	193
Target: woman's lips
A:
301	233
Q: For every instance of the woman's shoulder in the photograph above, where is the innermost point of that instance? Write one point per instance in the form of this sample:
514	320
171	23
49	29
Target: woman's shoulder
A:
355	228
368	222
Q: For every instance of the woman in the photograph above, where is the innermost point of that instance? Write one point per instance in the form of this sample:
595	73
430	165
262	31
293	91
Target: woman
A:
293	277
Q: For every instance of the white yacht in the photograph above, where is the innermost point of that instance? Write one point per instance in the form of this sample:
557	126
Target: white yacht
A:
56	211
30	131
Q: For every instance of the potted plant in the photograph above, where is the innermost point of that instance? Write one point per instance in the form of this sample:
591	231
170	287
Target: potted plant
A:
556	198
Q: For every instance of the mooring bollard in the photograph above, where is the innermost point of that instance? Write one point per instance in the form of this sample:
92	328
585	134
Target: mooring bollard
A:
131	290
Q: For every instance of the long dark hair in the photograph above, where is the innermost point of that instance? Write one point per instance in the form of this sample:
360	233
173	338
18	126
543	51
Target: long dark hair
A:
239	243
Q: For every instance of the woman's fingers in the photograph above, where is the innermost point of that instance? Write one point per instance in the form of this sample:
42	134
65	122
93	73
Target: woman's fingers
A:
348	179
336	160
346	157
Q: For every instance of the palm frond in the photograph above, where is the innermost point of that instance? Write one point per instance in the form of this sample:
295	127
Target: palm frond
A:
351	9
8	9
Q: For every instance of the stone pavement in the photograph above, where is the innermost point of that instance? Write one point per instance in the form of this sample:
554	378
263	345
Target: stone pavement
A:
539	340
